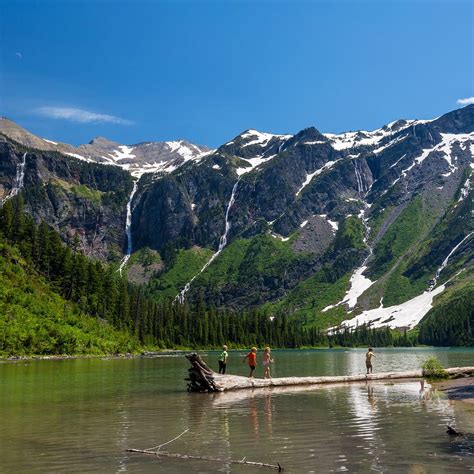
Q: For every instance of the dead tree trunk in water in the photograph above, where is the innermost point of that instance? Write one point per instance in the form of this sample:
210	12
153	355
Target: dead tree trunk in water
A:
201	377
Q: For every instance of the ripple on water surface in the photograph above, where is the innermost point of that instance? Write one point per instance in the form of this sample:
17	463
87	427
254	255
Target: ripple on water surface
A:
77	416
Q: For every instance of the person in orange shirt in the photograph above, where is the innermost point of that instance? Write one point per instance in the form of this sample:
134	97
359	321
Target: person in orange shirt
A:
252	359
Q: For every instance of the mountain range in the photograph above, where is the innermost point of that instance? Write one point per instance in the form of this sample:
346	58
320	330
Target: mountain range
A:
335	230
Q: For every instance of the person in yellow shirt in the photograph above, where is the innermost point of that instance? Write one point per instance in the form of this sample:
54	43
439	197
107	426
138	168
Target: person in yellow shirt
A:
223	360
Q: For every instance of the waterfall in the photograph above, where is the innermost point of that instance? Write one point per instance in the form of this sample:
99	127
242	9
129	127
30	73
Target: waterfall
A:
281	145
20	176
128	227
360	183
445	262
222	243
223	239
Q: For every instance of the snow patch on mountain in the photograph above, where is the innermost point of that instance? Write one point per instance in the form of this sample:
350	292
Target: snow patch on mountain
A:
407	314
123	152
186	151
358	285
347	140
333	224
445	147
317	142
310	176
80	157
465	190
390	144
253	162
448	141
279	237
259	138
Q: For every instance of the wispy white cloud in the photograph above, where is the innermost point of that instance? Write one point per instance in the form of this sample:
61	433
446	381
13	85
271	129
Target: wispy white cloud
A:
466	101
79	115
19	55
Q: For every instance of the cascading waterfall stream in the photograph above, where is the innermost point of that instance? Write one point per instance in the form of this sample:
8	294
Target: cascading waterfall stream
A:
281	145
360	183
445	262
20	176
222	243
361	190
128	227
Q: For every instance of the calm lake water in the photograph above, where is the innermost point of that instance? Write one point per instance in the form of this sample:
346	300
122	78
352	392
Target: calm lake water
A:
80	416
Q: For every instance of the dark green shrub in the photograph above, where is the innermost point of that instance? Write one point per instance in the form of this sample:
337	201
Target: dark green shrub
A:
433	369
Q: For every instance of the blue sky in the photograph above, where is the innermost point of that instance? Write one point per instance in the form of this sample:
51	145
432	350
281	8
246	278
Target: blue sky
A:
206	70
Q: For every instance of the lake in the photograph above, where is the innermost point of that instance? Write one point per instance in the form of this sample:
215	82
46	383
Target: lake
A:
80	415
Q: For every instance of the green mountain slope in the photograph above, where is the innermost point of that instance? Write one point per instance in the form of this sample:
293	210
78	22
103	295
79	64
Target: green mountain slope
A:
34	319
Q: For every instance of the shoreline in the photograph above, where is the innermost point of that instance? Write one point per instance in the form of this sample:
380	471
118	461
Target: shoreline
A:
90	356
457	389
184	350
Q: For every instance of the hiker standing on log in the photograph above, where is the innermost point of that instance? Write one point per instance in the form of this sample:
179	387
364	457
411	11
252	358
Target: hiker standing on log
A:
223	359
368	359
267	358
252	359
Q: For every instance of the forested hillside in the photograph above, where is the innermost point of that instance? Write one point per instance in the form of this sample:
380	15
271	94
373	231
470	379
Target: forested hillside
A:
54	300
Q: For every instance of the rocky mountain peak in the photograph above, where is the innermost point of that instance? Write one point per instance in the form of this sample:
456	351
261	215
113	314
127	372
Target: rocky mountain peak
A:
395	126
310	135
102	142
457	121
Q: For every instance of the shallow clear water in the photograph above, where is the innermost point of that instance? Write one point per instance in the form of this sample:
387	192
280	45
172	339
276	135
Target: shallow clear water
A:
80	415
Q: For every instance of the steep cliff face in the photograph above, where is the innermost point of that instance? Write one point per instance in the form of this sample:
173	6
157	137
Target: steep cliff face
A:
183	208
83	201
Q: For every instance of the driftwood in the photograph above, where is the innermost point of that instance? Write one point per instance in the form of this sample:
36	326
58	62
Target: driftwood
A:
156	451
453	431
206	458
203	379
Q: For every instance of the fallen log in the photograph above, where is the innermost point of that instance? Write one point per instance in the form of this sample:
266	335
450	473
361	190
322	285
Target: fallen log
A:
203	379
205	458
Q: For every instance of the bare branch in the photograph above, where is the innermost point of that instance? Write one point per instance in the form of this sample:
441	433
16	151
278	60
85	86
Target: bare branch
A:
157	448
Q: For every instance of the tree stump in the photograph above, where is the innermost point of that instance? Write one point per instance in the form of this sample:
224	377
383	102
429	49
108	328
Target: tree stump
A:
200	376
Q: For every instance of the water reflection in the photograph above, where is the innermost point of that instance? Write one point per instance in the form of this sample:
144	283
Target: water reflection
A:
122	438
268	409
81	415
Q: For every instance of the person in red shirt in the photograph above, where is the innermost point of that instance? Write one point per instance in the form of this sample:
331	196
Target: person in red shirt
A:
252	359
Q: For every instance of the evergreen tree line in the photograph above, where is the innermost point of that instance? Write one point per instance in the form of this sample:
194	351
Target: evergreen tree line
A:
100	291
451	323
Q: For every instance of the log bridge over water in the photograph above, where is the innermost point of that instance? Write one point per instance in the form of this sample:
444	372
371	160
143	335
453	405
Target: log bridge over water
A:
202	379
